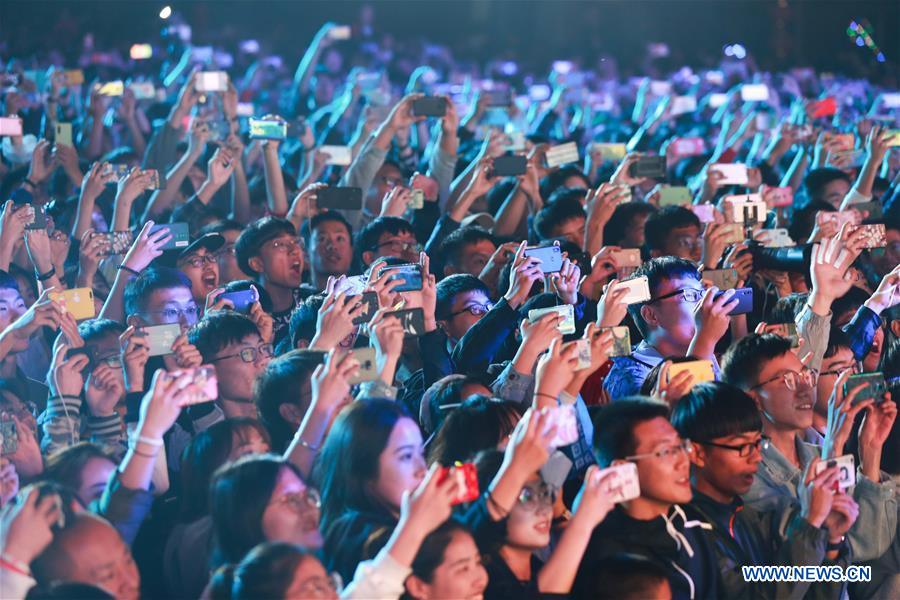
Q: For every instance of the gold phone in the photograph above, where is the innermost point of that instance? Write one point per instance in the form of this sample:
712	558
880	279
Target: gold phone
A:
77	301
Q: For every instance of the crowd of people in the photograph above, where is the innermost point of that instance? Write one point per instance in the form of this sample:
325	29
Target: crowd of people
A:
420	328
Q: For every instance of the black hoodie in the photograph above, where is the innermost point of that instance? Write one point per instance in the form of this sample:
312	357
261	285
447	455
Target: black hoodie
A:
674	543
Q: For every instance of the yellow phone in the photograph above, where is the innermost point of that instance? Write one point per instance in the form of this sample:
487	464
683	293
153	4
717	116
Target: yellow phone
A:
702	370
78	301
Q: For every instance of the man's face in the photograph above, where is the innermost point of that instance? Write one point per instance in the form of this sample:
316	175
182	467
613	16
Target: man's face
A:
683	242
228	267
236	376
331	249
835	191
462	318
666	479
98	556
780	407
673	315
473	258
634	235
724	469
832	366
170	305
280	260
397	245
386	178
202	268
571	230
12	306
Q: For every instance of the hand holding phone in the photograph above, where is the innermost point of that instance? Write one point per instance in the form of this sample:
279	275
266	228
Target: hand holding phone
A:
466	477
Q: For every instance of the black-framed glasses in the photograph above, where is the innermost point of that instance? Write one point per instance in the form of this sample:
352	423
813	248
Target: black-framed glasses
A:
792	379
854	370
172	315
669	452
249	355
197	260
743	450
399	246
476	310
691	295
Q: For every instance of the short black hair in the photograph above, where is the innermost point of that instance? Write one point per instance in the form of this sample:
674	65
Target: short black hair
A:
657	271
217	330
715	409
452	286
557	178
94	329
614	426
255	235
220	226
625	577
367	239
454	245
618	224
279	384
328	216
661	223
744	360
787	308
564	206
8	282
304	318
138	289
837	339
815	181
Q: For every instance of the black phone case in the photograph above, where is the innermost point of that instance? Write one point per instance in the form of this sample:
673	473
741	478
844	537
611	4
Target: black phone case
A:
340	198
653	167
429	106
370	300
412	319
510	166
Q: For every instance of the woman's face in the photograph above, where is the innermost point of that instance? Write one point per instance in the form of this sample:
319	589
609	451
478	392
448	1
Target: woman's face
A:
529	521
247	440
292	514
460	574
401	465
94	475
311	580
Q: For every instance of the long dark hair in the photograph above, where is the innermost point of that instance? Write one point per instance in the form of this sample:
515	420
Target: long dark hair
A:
266	572
207	452
348	464
431	552
479	424
239	494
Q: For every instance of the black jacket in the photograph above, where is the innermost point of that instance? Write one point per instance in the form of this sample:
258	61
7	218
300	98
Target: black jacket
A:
354	537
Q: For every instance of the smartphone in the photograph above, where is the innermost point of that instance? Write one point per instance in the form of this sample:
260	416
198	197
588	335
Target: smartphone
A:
566	325
875	387
675	196
117	171
354	285
466	477
638	289
340	198
651	167
732	173
565	419
412	319
874	235
745	300
368	369
143	90
718	99
427	185
609	151
340	32
40	219
746	208
701	370
204	385
410	274
498	98
556	470
160	337
893	138
10	126
779	197
268	129
624	484
337	155
429	106
211	81
846	469
509	165
63	134
74	77
416	200
706	213
823	108
181	237
141	51
724	279
79	302
117	242
682	105
245	109
550	257
562	154
850	216
9	437
541	92
754	92
627	257
851	158
242	300
774	238
370	301
621	340
687	146
112	88
844	141
157	179
583	354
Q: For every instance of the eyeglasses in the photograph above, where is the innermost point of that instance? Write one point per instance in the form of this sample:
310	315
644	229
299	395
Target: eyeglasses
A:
792	379
248	355
288	246
689	242
113	360
533	498
172	315
229	249
321	587
301	501
197	260
667	453
854	370
689	295
476	310
743	450
391	181
399	246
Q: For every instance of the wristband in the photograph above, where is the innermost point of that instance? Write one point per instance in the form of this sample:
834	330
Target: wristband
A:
16	566
490	498
64	397
123	267
30	183
307	445
546	396
45	276
148	440
144	454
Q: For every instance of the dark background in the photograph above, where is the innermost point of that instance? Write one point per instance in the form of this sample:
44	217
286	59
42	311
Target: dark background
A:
779	34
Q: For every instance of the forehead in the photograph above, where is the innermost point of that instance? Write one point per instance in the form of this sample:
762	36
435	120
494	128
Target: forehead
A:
842	355
480	247
676	283
470	297
331	227
201	251
178	295
283	236
389	170
288	482
9	295
786	362
405	432
648	434
387	235
250	340
230	235
687	230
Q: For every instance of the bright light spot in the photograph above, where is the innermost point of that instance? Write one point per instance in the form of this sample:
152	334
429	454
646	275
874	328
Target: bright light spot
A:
860	42
739	51
729	51
166	12
880	57
852	24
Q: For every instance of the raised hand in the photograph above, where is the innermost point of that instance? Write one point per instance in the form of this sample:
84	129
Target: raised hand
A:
611	309
146	247
555	370
135	354
105	389
817	493
26	526
671	391
524	273
329	382
335	320
565	283
43	313
65	376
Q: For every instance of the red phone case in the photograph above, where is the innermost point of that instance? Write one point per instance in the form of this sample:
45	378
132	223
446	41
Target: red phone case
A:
466	478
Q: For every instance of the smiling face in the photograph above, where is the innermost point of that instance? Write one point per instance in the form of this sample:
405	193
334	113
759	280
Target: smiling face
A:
236	377
664	480
528	525
12	306
461	573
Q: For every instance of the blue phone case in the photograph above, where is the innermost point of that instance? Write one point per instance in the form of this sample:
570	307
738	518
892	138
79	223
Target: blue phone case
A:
745	301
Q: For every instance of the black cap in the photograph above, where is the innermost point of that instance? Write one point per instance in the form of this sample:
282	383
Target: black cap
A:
210	241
